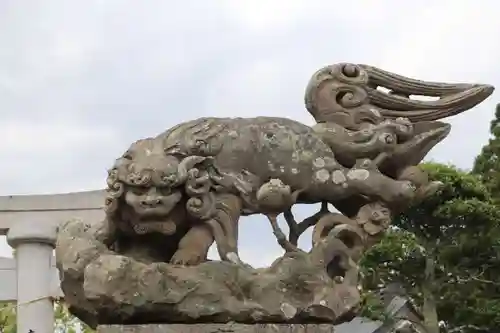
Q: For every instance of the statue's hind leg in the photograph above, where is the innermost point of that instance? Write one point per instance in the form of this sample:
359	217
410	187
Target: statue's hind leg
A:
365	179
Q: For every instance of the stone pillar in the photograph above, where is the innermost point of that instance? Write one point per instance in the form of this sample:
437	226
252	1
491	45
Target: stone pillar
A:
33	244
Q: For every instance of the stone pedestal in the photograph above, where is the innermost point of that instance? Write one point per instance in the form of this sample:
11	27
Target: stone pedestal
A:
217	328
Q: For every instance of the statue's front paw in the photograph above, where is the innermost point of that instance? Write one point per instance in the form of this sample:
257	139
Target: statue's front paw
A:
401	194
187	257
428	190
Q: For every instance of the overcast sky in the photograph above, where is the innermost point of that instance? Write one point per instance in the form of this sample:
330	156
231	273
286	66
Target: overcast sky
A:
81	80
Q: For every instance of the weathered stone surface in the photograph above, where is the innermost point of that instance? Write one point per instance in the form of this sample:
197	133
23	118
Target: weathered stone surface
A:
219	328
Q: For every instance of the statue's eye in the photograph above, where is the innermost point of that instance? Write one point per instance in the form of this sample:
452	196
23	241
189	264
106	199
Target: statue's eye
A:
137	190
387	138
165	190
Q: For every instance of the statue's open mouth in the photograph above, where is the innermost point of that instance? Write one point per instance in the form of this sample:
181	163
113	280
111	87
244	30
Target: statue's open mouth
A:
427	134
154	220
166	227
448	99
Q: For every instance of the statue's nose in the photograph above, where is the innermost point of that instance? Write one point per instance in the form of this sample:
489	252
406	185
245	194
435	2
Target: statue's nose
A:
150	202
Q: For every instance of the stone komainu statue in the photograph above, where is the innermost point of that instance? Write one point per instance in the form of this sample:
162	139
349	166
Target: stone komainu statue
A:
172	195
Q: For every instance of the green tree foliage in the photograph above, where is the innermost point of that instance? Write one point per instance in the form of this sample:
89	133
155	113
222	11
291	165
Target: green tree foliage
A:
487	163
64	321
446	252
7	318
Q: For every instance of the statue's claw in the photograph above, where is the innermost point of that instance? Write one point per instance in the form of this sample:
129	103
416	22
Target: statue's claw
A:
187	257
235	259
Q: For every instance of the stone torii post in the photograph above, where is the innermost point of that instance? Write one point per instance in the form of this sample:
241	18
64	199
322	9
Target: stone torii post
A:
30	223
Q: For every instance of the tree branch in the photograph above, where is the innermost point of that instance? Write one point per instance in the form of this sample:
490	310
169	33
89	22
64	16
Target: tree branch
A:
468	327
297	229
477	279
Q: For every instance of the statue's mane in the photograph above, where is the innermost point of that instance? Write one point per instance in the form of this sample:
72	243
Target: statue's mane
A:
115	191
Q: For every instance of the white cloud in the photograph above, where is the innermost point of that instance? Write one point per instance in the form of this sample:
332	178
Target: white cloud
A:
445	40
261	16
42	156
56	137
258	88
283	16
451	41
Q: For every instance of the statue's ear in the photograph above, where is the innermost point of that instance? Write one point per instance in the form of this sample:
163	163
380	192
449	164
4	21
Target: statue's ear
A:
175	150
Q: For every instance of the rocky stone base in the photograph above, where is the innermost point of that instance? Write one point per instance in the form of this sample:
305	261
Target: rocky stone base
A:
217	328
102	287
